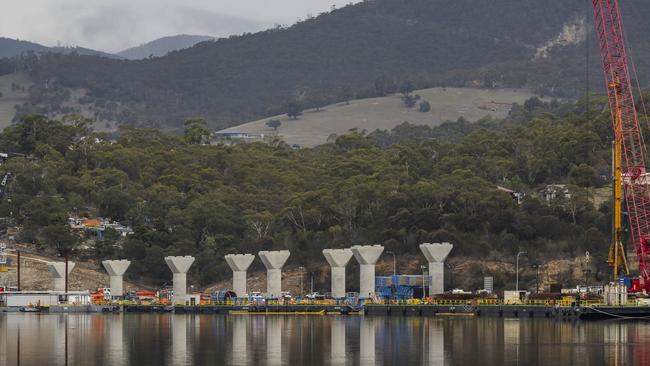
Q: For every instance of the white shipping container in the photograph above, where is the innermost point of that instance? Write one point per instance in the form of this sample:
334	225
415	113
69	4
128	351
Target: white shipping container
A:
35	298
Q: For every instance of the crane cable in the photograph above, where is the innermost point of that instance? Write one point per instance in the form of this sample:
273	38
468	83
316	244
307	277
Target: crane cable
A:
638	88
636	78
587	50
618	317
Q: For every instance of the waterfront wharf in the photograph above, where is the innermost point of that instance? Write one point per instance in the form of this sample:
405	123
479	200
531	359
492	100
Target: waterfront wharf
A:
553	311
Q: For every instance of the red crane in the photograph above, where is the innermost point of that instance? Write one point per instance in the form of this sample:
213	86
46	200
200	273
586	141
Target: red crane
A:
628	139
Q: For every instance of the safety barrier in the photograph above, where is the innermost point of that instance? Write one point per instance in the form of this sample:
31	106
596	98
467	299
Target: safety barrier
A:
564	302
237	302
420	302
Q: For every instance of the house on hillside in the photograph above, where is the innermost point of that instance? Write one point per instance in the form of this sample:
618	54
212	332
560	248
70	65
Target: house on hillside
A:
233	135
229	137
554	191
516	196
97	226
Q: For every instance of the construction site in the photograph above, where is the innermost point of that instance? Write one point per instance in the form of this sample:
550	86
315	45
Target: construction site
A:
396	295
624	295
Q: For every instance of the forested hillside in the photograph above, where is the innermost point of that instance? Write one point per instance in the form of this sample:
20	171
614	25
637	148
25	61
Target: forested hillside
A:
399	188
13	47
367	49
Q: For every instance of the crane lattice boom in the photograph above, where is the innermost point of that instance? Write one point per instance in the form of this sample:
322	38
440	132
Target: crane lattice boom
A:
626	128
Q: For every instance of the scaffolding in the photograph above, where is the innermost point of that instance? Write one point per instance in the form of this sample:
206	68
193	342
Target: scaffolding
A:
402	287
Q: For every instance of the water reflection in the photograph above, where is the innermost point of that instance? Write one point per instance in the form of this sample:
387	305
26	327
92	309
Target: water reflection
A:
511	328
167	339
435	342
116	355
367	342
274	340
337	341
180	354
239	333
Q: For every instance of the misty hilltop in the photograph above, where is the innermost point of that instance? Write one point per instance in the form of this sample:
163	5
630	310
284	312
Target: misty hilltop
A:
15	47
163	46
367	49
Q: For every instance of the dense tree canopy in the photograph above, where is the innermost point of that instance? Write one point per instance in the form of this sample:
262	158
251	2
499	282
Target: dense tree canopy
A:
400	188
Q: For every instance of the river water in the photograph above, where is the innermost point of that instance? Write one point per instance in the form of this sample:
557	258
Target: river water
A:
168	339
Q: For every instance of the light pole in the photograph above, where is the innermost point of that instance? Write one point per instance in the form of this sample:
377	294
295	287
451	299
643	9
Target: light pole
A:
18	267
517	283
394	262
66	277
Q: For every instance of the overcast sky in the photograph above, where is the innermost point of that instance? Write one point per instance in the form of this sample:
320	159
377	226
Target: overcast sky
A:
112	25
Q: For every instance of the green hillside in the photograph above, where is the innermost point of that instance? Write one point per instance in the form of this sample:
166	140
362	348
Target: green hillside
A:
372	47
14	91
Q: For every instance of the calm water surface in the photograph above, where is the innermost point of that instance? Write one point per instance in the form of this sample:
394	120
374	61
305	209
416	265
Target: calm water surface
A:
168	339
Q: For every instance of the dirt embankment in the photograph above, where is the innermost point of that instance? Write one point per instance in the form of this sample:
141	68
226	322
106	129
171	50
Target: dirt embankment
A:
35	276
461	272
568	272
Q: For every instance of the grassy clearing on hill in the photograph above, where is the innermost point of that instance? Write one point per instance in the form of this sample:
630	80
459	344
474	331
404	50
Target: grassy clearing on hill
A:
12	97
314	127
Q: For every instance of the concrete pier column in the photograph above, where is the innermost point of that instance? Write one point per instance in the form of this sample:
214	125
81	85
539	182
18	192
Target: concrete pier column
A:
57	270
116	269
338	259
436	254
367	256
239	264
179	266
274	261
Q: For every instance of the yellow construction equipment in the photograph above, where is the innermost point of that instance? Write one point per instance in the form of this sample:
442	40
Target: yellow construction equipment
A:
3	258
616	258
